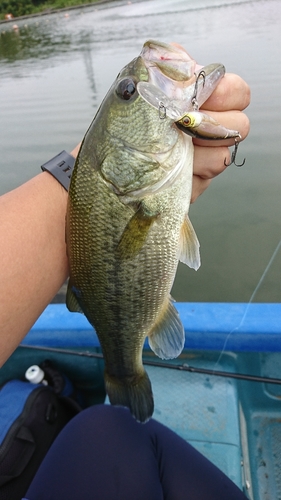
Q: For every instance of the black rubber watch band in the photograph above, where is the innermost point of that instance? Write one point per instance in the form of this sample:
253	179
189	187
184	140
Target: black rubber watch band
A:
60	167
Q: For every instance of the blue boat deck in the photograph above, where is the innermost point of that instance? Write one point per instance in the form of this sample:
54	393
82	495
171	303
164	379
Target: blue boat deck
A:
204	411
234	423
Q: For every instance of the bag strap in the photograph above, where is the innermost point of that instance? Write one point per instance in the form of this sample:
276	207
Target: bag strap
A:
25	449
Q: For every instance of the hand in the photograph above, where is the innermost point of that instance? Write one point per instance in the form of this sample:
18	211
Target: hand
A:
226	104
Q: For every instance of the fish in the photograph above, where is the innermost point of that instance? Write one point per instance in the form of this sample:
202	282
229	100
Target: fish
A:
127	223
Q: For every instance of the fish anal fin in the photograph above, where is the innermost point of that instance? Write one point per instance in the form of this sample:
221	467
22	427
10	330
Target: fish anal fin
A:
134	393
167	337
189	245
72	303
135	233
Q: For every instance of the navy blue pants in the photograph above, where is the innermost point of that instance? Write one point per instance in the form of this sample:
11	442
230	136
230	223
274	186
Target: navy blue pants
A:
104	454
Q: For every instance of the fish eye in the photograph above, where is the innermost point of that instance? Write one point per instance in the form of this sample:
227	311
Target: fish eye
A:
185	121
126	88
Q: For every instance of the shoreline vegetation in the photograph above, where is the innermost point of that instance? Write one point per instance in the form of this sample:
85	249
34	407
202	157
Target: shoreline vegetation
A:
12	10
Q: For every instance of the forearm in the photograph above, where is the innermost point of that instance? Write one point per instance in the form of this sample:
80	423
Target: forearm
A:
33	261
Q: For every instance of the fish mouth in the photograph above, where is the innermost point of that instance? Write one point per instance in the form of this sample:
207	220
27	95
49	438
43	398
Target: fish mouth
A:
174	102
173	79
177	88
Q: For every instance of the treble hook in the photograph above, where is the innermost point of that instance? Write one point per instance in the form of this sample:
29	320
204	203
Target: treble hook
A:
194	97
233	156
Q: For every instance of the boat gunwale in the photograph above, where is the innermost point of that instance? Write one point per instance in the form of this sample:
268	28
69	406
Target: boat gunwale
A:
237	327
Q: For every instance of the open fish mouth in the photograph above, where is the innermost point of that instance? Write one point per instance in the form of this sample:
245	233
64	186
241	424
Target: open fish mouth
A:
174	78
177	88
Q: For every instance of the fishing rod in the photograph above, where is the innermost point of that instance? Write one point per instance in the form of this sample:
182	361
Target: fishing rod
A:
162	364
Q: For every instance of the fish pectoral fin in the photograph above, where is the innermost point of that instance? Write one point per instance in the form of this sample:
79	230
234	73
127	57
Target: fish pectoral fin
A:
167	337
135	233
189	245
71	299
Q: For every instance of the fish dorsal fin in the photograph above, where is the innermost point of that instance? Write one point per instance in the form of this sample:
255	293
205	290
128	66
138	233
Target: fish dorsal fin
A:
167	337
189	245
71	299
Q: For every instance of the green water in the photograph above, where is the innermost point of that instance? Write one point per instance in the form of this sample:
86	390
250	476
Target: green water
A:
55	70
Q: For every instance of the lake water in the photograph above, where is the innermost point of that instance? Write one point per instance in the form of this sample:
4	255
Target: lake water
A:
55	70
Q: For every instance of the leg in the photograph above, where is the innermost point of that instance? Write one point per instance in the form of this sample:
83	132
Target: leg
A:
185	473
103	453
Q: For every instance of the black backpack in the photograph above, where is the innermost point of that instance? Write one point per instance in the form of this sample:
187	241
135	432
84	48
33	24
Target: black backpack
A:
31	417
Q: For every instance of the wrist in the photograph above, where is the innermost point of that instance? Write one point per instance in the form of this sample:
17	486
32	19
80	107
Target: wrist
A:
75	151
61	167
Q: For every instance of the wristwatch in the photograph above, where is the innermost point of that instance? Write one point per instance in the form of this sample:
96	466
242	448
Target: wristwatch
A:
60	167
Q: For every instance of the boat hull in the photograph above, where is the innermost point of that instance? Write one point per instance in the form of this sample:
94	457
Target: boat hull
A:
233	422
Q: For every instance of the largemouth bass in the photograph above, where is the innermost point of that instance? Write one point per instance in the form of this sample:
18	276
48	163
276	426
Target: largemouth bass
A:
127	221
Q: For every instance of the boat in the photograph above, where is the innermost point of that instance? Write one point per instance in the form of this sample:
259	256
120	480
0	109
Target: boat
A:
223	393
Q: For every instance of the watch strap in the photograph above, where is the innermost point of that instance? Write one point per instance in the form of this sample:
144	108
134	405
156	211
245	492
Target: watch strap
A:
60	167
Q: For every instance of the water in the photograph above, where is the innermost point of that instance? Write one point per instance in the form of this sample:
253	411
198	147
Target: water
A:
55	70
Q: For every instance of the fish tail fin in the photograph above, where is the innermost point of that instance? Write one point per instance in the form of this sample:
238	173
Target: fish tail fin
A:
135	394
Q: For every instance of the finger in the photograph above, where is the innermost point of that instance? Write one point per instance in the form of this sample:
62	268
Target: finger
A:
209	163
234	120
231	93
199	185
